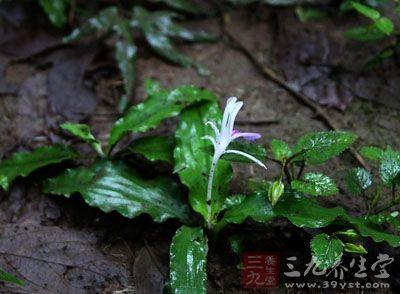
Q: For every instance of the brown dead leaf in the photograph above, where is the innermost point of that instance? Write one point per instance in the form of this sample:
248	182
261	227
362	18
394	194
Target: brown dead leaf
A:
56	260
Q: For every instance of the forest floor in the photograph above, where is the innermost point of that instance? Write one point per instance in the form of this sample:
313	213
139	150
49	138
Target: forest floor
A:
50	240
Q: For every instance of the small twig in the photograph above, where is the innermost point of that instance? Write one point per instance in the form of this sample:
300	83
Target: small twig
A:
270	74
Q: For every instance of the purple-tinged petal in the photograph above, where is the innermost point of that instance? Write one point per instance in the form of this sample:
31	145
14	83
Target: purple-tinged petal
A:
247	136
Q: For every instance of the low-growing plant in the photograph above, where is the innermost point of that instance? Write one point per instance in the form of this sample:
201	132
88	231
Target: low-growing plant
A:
159	28
201	151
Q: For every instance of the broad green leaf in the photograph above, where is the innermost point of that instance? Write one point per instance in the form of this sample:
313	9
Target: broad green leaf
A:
367	228
385	25
316	148
354	248
255	206
233	200
366	11
164	20
160	42
365	34
9	278
193	162
157	107
358	180
125	55
280	149
22	164
155	148
115	186
188	261
326	251
275	192
245	146
108	20
389	168
315	184
188	6
82	131
386	218
103	23
56	11
306	212
372	153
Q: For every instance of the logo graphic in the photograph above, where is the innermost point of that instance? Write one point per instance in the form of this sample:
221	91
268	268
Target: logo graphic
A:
260	270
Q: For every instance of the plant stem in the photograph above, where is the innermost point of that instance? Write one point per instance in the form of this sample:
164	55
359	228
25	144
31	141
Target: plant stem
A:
393	191
303	164
209	190
375	200
390	205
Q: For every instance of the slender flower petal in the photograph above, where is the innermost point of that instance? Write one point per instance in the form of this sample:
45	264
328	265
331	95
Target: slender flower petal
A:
247	136
251	157
214	127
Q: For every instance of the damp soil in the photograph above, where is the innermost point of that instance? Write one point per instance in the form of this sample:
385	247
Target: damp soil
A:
64	246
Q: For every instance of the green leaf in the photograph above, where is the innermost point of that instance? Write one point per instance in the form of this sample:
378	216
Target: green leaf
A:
358	180
367	228
245	146
23	163
9	278
56	11
255	206
280	149
316	148
354	248
159	41
103	23
188	6
275	192
233	200
389	168
82	131
385	25
188	261
125	55
369	33
306	212
157	107
193	162
115	186
366	11
372	153
326	251
258	185
386	218
155	148
315	184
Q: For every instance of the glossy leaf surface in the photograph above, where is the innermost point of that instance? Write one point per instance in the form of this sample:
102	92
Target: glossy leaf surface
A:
316	148
115	186
326	251
155	148
188	260
158	106
315	184
22	164
82	131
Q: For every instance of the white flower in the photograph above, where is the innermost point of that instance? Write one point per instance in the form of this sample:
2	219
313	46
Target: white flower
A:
223	137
